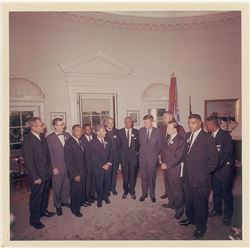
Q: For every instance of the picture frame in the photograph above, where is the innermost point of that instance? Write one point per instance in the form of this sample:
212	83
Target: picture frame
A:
225	109
54	115
135	115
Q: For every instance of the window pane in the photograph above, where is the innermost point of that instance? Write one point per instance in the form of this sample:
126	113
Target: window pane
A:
15	146
160	112
96	113
25	131
15	119
96	120
86	120
26	115
15	135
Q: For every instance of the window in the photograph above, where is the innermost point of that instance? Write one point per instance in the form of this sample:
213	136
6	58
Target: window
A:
95	108
157	114
18	127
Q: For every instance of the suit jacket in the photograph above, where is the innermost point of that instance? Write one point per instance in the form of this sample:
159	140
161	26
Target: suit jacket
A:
201	161
86	146
172	153
36	157
74	157
113	137
56	150
153	148
224	145
181	131
99	155
129	153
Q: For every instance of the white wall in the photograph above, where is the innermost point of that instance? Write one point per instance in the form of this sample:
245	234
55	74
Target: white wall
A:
206	61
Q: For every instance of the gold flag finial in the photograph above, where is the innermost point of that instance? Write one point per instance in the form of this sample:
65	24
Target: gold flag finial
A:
172	75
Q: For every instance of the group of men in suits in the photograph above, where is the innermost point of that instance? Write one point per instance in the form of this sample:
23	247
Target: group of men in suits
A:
83	166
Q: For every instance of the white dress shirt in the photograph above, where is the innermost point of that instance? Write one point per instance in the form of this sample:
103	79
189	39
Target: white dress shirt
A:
130	134
61	138
36	135
89	137
195	134
215	132
172	137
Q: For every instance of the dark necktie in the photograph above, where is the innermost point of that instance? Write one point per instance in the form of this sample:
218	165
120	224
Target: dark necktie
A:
80	143
128	136
190	141
103	143
147	136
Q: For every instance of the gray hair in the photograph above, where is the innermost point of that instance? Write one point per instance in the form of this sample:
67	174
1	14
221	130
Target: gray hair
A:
32	121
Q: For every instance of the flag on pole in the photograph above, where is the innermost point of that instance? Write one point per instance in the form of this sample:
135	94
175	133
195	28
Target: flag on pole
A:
173	105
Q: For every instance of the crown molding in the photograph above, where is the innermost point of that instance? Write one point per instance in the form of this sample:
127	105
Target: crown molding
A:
142	23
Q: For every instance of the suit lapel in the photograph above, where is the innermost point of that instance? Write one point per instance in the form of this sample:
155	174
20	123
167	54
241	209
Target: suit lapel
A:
196	141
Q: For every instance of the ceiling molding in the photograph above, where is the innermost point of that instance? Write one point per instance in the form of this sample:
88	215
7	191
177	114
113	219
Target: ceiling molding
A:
147	23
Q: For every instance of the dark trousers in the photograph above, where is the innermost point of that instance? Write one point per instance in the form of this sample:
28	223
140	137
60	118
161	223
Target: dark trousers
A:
114	170
39	199
129	177
165	179
222	192
90	184
60	186
76	189
196	202
175	189
102	181
148	177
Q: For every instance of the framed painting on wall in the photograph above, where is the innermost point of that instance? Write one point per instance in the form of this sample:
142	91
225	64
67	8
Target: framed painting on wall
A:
135	115
227	111
54	115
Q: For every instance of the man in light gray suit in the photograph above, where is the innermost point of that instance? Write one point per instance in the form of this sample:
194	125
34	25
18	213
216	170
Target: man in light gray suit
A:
151	141
60	181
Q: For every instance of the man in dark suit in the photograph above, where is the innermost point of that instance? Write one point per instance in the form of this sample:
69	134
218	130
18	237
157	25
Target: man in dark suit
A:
113	136
37	161
168	117
60	181
223	177
90	179
200	160
102	158
171	158
151	141
76	167
129	156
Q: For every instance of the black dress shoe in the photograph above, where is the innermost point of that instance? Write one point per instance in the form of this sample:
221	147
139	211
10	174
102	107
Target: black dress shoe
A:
198	234
142	198
214	213
48	214
78	214
99	204
178	215
164	196
37	225
59	211
124	196
65	205
86	204
184	222
107	201
114	192
133	196
226	221
153	199
168	205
